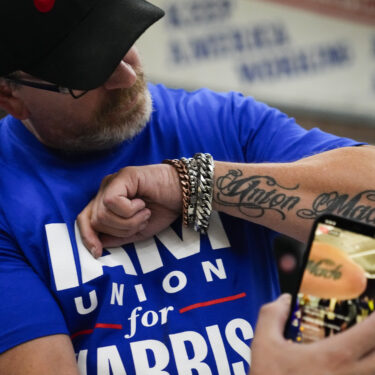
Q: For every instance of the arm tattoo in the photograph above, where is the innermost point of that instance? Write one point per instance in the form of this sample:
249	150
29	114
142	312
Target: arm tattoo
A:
254	195
326	268
356	208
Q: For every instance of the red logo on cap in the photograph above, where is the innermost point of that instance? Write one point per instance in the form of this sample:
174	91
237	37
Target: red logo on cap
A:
44	6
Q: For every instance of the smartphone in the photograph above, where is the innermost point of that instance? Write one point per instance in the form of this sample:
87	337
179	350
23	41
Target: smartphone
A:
336	284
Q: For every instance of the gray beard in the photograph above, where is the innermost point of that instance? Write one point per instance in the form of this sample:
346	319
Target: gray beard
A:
106	136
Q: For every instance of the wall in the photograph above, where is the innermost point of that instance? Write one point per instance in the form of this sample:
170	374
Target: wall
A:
315	59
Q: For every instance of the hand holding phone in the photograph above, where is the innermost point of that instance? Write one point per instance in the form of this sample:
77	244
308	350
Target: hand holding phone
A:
337	285
351	353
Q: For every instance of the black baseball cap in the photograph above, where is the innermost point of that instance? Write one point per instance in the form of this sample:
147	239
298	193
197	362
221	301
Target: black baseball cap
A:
72	43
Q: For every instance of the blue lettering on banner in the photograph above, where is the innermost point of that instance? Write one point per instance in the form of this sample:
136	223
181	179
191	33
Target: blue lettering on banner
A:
198	12
229	42
296	63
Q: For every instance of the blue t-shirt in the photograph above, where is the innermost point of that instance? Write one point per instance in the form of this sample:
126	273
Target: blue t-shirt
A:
179	303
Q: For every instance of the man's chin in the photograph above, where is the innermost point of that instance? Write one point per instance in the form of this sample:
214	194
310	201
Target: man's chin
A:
105	134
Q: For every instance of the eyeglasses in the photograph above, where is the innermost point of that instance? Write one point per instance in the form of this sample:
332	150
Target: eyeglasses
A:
76	94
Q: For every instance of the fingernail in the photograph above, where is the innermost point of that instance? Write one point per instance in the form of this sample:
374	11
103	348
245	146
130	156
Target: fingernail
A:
94	252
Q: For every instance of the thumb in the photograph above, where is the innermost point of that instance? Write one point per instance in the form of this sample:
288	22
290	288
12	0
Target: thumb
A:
273	316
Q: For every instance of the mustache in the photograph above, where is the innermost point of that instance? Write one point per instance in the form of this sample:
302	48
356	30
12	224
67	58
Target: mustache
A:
119	96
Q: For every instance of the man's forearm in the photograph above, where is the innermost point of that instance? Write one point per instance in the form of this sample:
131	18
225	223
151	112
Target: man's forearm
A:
287	197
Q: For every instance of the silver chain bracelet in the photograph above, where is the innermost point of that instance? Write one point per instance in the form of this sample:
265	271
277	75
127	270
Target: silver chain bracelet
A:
204	191
197	205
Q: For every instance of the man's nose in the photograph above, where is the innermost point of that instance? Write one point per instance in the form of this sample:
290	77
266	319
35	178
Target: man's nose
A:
123	77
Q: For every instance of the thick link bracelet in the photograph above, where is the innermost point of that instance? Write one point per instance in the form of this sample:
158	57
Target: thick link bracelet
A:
204	191
196	178
185	185
192	169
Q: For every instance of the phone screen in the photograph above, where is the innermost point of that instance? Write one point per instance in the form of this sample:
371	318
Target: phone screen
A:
337	286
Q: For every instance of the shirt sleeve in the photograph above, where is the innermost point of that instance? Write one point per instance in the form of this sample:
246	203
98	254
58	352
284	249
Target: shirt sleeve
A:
235	127
268	135
27	308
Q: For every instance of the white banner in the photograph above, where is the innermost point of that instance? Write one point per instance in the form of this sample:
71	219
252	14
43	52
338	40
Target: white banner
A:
282	54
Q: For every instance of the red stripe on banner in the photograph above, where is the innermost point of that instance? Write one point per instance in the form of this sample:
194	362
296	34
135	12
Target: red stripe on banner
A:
212	302
97	325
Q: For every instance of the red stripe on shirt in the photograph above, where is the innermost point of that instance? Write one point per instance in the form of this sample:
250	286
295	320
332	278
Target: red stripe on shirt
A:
212	302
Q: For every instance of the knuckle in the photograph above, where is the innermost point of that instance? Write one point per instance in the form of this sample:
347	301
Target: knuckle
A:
101	217
85	239
109	200
94	222
267	309
107	179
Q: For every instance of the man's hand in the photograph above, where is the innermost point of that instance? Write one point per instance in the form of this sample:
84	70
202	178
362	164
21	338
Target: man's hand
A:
132	204
348	353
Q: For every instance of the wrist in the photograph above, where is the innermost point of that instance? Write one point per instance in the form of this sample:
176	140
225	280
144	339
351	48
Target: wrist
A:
174	190
181	172
196	182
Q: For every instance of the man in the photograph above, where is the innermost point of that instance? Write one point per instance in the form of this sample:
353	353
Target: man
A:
177	303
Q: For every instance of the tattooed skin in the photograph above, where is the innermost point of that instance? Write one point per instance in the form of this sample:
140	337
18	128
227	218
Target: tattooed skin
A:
255	194
325	268
356	208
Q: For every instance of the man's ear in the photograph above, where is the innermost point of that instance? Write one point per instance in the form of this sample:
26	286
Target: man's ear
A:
12	104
